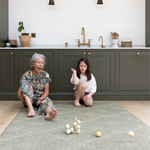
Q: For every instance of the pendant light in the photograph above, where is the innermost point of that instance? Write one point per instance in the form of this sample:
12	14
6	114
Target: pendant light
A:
51	2
100	2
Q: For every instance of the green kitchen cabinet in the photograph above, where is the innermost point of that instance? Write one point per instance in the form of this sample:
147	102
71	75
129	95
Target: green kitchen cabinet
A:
134	71
24	63
121	74
66	61
105	76
8	74
103	68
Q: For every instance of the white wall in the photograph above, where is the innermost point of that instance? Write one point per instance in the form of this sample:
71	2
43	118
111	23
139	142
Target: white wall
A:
62	22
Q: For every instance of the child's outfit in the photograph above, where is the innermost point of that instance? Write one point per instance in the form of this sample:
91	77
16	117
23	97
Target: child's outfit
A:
91	85
33	86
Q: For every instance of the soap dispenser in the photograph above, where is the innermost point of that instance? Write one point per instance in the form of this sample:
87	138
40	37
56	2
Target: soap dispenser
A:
7	42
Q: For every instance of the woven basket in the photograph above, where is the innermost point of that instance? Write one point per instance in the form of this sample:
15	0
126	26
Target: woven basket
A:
25	40
126	43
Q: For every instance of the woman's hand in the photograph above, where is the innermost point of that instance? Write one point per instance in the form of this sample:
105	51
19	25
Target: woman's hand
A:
40	100
73	70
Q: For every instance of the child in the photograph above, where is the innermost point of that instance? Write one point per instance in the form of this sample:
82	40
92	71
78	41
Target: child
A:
84	83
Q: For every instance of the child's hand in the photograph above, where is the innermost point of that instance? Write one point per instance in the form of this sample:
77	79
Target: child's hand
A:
73	70
88	96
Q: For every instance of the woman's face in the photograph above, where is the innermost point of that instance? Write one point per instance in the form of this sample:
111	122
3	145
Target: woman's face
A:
83	67
38	65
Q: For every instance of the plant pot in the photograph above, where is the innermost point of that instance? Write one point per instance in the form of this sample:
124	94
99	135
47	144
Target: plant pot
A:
25	40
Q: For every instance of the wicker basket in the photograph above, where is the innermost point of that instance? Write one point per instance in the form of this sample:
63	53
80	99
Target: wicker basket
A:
126	43
25	40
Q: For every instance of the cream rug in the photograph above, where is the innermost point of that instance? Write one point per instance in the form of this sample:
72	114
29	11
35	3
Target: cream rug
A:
112	120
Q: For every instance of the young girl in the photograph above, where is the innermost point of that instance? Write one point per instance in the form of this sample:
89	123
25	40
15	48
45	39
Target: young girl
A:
84	83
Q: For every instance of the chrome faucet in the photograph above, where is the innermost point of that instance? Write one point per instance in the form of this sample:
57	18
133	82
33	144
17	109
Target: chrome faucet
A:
84	43
102	46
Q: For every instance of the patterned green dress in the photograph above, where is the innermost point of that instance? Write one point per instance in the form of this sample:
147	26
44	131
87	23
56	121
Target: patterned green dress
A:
33	86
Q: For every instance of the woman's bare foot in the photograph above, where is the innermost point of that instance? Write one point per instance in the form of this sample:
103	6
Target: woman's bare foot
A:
31	113
52	114
76	103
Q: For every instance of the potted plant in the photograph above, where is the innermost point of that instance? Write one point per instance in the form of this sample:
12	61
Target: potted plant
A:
25	38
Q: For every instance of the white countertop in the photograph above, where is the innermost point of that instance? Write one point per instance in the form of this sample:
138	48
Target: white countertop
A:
73	46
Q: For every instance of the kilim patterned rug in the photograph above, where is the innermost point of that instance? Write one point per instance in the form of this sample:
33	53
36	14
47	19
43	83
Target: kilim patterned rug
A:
112	120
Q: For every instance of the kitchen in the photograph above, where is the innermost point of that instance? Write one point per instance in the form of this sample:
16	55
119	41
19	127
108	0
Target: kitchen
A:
123	71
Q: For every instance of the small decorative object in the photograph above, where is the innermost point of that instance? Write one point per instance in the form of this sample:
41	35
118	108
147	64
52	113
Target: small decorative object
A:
68	131
67	126
13	43
78	127
33	35
131	133
100	2
78	131
7	42
78	120
66	44
126	43
98	133
25	39
51	2
72	130
74	126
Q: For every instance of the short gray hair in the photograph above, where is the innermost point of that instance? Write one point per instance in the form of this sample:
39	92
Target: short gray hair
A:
34	58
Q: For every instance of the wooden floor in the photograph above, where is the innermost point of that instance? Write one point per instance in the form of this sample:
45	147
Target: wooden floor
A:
9	110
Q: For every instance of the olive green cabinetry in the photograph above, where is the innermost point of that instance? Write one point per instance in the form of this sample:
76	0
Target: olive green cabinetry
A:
66	61
102	67
7	71
134	71
121	74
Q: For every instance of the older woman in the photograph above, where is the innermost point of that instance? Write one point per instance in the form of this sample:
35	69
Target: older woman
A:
34	89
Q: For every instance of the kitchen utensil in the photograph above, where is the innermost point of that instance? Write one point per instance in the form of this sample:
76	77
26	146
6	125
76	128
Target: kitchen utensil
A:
112	35
117	36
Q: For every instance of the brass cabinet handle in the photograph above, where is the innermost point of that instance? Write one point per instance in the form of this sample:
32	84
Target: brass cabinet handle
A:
84	53
11	53
89	53
137	53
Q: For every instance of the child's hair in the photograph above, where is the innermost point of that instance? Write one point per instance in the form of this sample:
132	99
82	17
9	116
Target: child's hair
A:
88	70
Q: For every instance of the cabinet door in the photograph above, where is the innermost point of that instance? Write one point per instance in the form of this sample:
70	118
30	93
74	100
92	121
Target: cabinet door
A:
24	64
8	71
103	68
67	60
134	70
